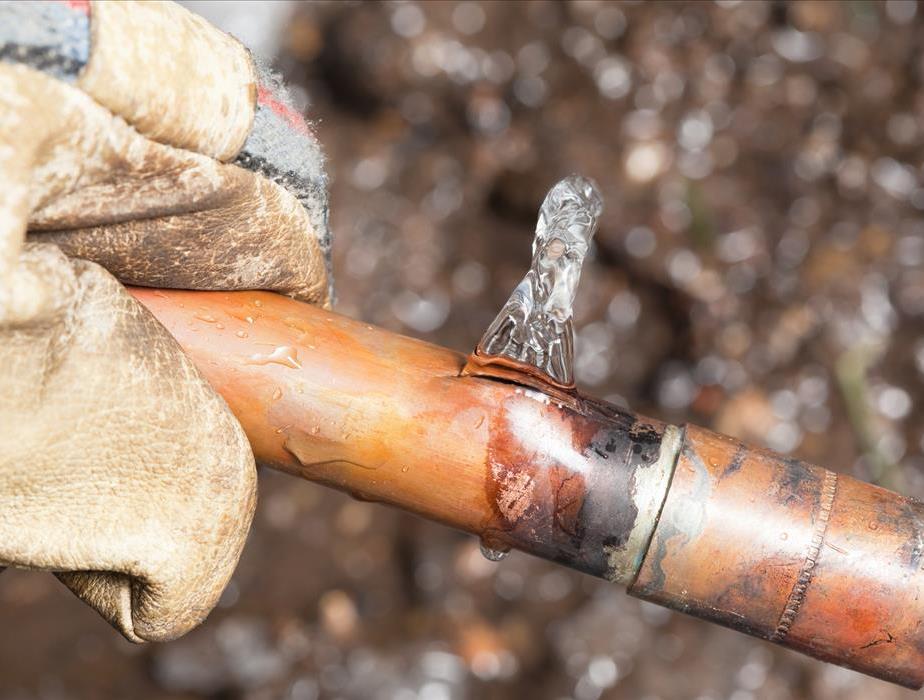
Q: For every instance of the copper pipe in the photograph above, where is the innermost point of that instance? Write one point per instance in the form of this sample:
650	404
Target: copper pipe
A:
768	545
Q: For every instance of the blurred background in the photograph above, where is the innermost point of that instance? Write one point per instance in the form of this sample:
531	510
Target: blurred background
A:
759	270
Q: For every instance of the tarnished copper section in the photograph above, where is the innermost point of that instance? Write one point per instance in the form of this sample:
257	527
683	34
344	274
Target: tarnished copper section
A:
792	553
565	485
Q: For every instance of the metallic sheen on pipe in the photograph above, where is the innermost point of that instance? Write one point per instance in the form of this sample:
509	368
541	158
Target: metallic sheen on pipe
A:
766	544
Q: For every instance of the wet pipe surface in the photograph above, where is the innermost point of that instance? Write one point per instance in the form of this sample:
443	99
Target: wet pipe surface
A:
768	545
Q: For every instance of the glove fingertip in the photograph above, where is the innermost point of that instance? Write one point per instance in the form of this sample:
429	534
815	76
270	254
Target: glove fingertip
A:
110	594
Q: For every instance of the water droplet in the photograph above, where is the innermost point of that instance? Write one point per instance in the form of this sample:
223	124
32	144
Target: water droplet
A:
493	554
277	394
208	318
284	355
220	326
404	469
241	334
296	324
257	302
249	319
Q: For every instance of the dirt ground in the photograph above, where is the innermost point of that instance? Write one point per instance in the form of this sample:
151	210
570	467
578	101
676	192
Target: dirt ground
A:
758	271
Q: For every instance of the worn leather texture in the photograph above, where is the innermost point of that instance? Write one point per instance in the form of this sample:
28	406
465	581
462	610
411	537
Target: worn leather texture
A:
121	470
173	76
154	214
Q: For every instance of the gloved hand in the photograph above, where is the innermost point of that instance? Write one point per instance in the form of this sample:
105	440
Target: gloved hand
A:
137	138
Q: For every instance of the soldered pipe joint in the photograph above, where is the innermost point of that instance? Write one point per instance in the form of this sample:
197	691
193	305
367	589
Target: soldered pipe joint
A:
792	553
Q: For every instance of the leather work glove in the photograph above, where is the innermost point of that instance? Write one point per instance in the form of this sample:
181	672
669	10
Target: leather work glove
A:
138	144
